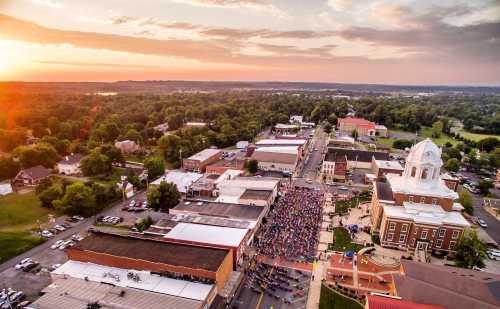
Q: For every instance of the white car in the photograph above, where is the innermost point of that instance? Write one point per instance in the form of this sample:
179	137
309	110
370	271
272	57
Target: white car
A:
57	244
47	234
65	244
493	254
23	262
60	227
482	223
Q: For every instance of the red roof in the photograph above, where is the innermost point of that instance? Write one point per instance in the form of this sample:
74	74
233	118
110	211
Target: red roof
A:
382	302
358	121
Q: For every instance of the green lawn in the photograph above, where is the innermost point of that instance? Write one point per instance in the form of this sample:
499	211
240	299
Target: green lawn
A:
342	241
440	141
475	136
341	207
331	299
18	216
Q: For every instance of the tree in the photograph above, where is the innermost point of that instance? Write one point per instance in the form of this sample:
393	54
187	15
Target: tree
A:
452	165
38	154
52	193
95	163
484	186
114	154
155	167
465	199
252	166
488	144
327	128
437	129
470	251
77	200
494	158
8	168
402	144
163	196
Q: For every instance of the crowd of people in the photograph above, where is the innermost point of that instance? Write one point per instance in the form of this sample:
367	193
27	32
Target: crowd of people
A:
281	283
292	230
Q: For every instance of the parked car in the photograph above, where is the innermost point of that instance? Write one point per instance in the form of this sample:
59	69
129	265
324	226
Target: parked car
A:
59	227
132	203
30	266
54	267
493	254
482	223
57	244
22	263
46	234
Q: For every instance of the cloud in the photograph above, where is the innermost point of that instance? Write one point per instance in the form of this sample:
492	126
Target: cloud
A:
223	32
49	3
287	50
340	5
428	34
95	64
265	6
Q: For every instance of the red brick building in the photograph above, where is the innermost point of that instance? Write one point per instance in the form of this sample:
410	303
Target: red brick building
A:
198	162
219	167
156	256
417	210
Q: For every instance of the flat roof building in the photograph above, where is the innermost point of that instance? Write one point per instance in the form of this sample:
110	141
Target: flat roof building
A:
233	190
199	161
277	158
157	256
183	180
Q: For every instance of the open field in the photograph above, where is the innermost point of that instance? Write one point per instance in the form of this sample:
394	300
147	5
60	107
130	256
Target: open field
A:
475	136
440	141
18	216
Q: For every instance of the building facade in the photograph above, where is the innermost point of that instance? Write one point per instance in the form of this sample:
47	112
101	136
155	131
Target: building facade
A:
198	162
417	210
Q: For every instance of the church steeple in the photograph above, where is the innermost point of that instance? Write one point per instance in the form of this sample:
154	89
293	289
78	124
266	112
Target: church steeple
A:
424	163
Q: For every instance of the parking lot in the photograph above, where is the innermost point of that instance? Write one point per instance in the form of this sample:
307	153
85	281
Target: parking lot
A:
31	283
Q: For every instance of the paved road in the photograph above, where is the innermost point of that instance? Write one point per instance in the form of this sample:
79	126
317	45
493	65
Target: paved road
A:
309	170
493	229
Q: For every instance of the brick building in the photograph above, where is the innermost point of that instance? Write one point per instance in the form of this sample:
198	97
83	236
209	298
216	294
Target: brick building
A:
213	264
417	210
334	168
198	162
219	167
380	168
362	126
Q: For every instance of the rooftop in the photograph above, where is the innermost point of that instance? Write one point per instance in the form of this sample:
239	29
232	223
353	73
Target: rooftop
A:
286	126
355	155
290	142
426	214
357	121
205	154
393	165
37	172
279	149
148	282
450	287
210	220
71	159
387	302
77	294
411	185
251	194
207	234
154	251
182	179
220	209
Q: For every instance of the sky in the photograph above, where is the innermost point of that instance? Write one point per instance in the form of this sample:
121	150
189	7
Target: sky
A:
351	41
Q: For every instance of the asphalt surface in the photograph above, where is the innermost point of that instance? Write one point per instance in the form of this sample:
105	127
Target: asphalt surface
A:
493	229
82	226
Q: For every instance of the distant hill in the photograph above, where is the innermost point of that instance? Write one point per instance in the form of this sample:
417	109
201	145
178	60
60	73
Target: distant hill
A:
169	86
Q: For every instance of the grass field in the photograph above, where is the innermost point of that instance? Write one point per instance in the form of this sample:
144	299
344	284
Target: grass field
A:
475	136
440	141
342	241
331	299
18	216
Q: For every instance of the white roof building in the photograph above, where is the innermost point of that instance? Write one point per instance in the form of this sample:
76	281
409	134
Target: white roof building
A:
281	142
183	180
147	282
426	214
279	149
208	234
204	154
242	144
393	165
230	191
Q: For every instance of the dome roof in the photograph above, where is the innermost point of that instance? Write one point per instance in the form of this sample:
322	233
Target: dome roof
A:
425	152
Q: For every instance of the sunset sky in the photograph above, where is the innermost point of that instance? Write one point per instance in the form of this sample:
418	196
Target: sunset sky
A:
362	41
